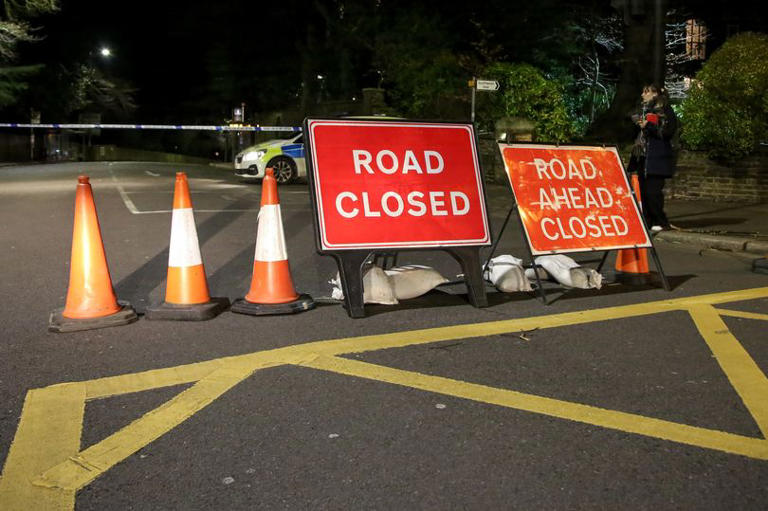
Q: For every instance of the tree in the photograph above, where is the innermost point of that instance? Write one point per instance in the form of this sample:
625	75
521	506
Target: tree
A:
420	66
91	90
641	63
601	39
572	43
14	29
526	93
726	111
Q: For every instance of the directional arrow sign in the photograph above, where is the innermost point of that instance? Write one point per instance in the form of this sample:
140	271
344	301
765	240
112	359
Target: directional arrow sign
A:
491	85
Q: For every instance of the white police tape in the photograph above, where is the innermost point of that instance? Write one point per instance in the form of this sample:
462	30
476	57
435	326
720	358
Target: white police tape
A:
151	127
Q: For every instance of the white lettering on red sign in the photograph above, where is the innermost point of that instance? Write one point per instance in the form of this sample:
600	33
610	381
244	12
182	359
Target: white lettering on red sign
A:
573	198
397	184
387	162
392	204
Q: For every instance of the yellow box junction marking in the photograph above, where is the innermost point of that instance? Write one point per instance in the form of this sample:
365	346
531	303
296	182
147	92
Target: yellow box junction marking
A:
46	467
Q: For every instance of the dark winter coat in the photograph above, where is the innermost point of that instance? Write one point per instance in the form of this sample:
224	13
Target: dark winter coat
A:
660	157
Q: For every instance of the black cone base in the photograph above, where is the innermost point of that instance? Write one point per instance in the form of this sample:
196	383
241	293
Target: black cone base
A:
301	304
59	324
187	312
632	279
760	265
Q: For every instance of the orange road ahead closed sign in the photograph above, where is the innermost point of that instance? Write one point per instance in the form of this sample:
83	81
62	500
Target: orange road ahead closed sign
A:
573	198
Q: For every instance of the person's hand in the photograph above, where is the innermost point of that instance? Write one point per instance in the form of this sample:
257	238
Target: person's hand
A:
642	123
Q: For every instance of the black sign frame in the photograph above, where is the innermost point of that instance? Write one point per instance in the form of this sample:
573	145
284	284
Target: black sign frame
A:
350	262
628	278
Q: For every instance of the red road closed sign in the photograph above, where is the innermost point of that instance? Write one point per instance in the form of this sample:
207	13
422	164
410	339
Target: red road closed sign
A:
573	198
396	184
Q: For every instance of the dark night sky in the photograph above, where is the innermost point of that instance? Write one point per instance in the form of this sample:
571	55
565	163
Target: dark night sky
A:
181	53
160	46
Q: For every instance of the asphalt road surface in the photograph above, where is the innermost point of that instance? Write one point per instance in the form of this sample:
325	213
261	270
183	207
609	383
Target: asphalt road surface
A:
622	398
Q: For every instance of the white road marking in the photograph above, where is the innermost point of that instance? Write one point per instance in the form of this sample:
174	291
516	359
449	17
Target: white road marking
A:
135	211
149	173
154	212
126	200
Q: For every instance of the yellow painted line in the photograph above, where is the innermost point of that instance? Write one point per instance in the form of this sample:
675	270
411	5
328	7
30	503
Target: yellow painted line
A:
83	467
627	422
148	380
430	335
48	433
58	469
189	373
741	314
743	373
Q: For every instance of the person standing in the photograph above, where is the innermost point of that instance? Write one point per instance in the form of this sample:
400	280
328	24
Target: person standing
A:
652	156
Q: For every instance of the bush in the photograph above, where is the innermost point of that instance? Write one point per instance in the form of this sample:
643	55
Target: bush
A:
726	111
525	92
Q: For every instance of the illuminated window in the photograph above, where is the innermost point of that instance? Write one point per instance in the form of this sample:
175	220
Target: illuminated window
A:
695	39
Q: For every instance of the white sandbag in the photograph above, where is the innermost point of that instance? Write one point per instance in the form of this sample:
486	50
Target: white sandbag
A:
595	279
513	280
567	272
500	264
578	278
506	273
543	275
377	287
413	280
336	292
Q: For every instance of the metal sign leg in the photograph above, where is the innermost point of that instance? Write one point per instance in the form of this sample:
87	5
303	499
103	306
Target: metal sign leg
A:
602	261
657	262
351	272
498	238
469	258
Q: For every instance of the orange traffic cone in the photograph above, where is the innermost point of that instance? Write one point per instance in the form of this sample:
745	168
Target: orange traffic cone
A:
272	290
91	301
186	291
632	263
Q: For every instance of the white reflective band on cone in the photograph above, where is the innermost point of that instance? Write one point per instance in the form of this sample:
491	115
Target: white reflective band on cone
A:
270	239
184	250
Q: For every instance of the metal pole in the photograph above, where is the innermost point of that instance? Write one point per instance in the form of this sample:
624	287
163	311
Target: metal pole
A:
498	238
474	88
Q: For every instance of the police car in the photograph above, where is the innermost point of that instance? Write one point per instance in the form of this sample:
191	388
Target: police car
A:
286	157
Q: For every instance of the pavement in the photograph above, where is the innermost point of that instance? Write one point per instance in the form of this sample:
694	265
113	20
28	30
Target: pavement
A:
625	397
726	226
734	228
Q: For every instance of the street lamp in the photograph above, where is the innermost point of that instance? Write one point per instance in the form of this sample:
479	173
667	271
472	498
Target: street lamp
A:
105	52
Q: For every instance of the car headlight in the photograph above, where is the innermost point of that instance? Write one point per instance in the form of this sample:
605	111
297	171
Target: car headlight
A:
254	155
